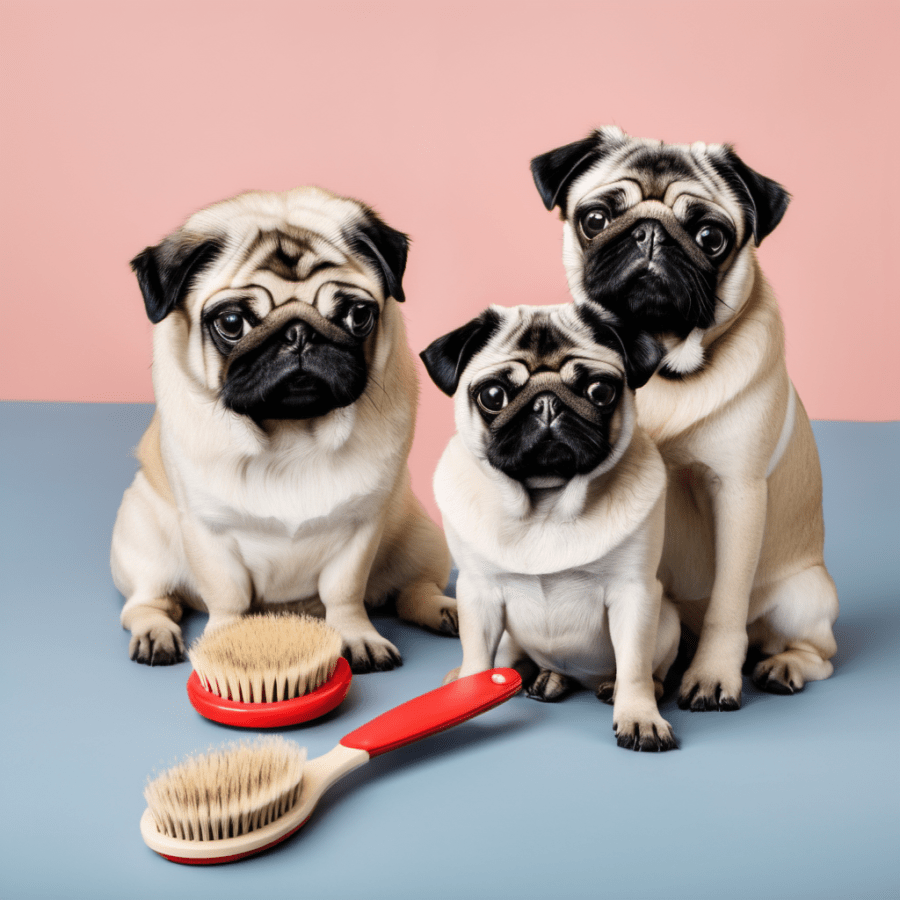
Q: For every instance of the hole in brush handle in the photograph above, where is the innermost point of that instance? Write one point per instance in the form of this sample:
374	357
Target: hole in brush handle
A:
435	711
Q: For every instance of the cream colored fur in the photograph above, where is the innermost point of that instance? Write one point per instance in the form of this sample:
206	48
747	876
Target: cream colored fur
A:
743	553
564	575
226	515
743	550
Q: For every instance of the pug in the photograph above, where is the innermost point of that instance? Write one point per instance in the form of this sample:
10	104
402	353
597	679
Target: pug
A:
663	237
553	505
274	470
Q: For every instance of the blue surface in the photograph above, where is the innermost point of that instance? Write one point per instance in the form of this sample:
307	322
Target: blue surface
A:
790	797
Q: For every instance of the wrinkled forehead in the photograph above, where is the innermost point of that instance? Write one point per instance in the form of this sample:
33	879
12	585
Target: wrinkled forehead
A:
290	253
654	170
546	339
288	261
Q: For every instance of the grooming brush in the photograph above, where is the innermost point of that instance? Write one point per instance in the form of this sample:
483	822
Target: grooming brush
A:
235	802
268	671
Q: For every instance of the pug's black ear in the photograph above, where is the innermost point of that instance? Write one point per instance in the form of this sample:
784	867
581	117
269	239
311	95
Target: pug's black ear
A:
643	355
384	247
165	272
764	201
554	172
447	357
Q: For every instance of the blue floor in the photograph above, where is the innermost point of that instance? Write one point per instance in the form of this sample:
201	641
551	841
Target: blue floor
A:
791	797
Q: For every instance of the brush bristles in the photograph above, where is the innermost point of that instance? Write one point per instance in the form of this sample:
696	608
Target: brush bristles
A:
227	793
263	659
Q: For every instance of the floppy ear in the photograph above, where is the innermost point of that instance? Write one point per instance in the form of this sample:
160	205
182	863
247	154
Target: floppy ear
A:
764	201
447	357
384	247
165	272
553	172
640	351
643	354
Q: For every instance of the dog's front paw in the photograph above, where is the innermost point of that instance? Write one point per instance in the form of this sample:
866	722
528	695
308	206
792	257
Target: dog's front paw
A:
550	686
371	654
708	690
159	645
651	734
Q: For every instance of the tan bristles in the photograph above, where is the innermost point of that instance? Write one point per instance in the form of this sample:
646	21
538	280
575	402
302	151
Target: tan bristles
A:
229	792
263	659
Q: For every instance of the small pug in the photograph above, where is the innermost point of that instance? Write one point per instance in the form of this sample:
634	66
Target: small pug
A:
275	468
663	237
553	504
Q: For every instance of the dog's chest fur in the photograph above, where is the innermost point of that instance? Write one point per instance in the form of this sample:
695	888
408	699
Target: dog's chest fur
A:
560	620
283	514
552	581
286	567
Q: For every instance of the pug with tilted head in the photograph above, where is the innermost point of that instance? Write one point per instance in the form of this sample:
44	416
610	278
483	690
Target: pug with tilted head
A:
553	505
662	237
275	468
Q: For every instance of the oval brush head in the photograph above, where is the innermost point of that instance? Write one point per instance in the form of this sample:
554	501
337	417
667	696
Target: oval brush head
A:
230	796
268	671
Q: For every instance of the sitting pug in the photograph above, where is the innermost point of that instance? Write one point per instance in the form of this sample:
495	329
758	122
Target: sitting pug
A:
275	468
553	505
662	237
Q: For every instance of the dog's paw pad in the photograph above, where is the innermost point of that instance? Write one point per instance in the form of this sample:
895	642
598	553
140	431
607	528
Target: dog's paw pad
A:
368	655
550	686
645	736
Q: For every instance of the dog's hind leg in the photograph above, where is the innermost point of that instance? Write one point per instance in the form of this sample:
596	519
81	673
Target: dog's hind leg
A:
416	563
668	635
147	562
794	631
425	604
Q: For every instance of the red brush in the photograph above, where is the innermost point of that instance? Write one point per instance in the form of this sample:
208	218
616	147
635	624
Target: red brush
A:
233	803
268	671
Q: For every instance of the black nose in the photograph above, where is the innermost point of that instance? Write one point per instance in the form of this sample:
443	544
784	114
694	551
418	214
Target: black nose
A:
546	407
649	234
296	335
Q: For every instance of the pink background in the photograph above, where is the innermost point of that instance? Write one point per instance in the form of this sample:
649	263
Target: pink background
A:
121	119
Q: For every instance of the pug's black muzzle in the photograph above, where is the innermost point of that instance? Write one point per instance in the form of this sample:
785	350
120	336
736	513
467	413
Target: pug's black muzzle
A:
547	430
648	270
295	364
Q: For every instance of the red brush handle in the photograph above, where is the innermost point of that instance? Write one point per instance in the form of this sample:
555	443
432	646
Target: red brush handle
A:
435	711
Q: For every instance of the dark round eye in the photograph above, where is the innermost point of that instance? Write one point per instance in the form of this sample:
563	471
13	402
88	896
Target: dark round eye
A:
593	222
360	320
601	393
230	325
492	397
711	239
